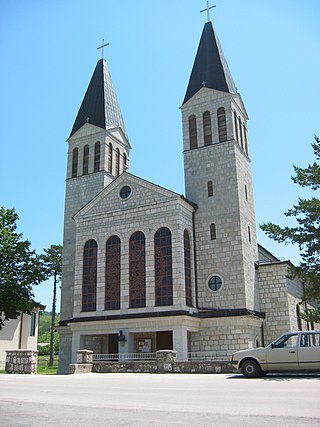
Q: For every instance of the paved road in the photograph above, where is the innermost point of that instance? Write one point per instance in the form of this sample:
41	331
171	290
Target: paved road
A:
139	400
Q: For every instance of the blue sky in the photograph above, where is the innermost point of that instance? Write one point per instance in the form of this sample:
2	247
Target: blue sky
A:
49	51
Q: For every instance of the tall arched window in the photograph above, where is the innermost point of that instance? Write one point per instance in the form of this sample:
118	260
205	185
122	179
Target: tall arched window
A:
222	124
207	131
117	162
110	155
75	155
137	270
187	268
210	189
89	276
163	267
236	125
245	139
240	131
113	273
85	165
213	233
193	132
124	162
97	157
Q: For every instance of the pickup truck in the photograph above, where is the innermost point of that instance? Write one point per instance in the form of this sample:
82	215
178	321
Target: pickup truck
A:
292	351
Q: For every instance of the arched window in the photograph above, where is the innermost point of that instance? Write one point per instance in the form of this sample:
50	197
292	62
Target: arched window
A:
207	131
75	154
137	270
240	131
187	268
113	273
163	267
210	189
236	125
110	154
89	276
85	165
213	234
193	132
118	162
245	139
124	162
97	157
222	124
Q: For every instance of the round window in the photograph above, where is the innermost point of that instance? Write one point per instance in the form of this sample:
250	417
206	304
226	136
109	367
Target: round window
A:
125	192
215	283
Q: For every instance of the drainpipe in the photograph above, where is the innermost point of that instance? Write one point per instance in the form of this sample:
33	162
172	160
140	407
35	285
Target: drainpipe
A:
20	331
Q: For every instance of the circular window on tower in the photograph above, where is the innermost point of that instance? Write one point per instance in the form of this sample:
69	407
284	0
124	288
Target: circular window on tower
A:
125	192
215	283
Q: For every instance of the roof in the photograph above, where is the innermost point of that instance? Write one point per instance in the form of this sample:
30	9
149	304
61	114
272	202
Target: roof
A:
210	69
100	106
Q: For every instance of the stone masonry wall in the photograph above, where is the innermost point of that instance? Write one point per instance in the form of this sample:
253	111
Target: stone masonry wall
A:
21	361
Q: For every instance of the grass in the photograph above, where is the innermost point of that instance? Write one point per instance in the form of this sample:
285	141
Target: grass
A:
44	369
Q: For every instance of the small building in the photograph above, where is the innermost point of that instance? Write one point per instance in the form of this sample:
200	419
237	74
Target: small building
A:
20	333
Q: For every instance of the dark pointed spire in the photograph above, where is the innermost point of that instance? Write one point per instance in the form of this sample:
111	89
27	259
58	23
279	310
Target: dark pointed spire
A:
100	106
210	69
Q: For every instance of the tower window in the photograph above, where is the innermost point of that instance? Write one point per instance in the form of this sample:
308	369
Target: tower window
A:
89	276
249	234
193	132
207	131
236	125
210	189
213	234
245	139
246	191
75	154
163	267
137	270
97	157
117	162
187	268
124	162
215	283
240	130
85	165
113	273
110	155
222	124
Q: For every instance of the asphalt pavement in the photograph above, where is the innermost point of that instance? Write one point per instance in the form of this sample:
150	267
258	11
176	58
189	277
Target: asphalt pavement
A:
138	400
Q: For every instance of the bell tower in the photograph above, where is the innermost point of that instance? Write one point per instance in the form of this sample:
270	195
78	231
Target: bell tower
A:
98	152
217	171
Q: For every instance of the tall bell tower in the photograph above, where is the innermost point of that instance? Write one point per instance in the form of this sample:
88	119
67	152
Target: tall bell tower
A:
217	171
98	152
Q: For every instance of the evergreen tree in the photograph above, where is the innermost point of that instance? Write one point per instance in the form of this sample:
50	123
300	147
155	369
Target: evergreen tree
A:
20	269
52	262
306	234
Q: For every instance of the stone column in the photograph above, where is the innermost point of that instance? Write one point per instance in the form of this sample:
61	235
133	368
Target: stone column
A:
166	360
84	362
180	343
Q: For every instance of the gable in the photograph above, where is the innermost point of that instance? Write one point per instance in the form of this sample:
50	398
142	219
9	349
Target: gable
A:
114	198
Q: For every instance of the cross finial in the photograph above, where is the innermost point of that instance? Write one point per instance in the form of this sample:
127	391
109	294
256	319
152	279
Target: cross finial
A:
207	9
102	46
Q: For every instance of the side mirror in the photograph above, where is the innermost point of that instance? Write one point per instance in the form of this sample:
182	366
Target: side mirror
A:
272	345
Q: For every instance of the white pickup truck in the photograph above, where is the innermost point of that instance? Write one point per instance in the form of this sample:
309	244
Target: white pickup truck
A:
292	351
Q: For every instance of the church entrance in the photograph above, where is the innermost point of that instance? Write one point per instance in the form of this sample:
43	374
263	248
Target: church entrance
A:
164	340
113	343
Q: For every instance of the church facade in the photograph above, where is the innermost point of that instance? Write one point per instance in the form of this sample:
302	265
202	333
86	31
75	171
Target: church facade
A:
145	268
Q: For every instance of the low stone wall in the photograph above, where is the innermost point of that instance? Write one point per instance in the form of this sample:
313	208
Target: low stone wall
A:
164	363
21	361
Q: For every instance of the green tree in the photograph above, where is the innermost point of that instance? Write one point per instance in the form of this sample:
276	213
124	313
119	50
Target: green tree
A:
20	269
306	234
52	262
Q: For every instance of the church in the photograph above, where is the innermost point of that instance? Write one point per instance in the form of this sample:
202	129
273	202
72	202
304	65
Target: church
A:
145	268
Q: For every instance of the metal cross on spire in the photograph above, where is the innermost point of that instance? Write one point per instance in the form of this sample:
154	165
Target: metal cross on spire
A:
207	9
102	46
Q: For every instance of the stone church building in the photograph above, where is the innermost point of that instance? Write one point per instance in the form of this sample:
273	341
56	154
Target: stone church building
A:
145	268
